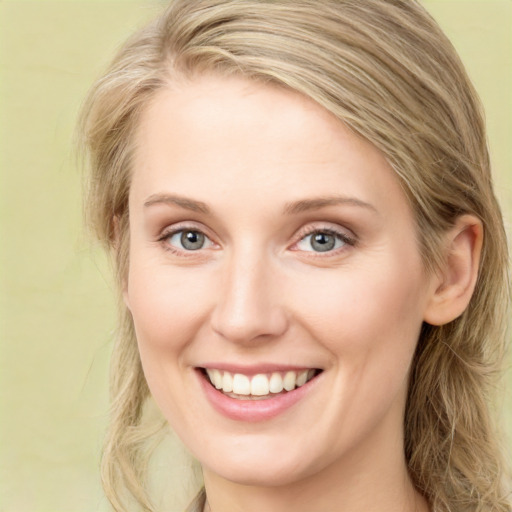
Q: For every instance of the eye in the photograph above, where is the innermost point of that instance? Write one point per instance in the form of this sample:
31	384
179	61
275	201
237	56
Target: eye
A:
188	240
323	241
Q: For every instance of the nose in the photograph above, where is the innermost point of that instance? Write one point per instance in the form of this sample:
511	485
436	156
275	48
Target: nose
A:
249	306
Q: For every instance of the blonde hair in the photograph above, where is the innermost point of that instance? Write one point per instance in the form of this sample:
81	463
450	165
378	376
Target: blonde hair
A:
387	71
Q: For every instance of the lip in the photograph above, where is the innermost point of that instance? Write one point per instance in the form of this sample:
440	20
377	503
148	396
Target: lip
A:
253	410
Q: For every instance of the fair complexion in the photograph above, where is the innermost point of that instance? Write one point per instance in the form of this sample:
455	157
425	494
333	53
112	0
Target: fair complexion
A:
266	238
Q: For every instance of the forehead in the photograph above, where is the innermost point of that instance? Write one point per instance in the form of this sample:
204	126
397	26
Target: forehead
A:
230	138
212	107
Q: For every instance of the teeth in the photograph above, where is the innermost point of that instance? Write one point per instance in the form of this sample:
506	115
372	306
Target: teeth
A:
227	382
302	378
258	385
289	381
215	378
276	383
241	384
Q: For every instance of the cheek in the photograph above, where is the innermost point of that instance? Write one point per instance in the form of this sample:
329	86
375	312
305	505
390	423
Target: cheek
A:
167	304
167	312
368	320
383	292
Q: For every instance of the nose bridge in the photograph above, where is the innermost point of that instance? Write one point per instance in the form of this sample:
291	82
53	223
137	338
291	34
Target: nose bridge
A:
248	305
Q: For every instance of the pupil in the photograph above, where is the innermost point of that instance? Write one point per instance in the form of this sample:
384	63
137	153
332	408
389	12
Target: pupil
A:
192	240
323	242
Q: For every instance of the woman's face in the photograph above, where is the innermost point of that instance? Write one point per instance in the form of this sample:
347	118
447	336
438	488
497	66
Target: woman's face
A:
270	245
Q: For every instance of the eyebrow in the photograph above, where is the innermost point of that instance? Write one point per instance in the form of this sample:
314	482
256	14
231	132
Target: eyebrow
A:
183	202
306	205
293	208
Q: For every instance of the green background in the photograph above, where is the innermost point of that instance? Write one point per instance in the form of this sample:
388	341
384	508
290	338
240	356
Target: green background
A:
56	307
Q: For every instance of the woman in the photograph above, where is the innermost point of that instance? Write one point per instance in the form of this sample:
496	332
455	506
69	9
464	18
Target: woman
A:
311	262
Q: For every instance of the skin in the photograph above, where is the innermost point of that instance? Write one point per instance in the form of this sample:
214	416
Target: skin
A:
257	292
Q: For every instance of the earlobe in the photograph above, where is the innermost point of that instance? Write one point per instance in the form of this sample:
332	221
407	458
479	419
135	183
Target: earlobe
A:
459	273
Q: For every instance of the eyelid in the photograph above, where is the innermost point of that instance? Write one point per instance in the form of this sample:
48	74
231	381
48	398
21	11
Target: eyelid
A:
346	235
173	229
323	227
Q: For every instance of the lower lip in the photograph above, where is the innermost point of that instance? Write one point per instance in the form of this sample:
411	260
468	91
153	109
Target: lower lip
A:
253	410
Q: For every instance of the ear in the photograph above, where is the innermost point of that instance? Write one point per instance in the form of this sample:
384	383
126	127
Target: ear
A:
458	275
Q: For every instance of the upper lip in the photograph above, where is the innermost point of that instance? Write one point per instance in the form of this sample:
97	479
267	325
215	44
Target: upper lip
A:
255	369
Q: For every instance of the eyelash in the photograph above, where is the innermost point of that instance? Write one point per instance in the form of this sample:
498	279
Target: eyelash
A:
167	234
309	231
338	234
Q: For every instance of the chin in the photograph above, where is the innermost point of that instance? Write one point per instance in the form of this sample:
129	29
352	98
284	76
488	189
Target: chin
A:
262	476
261	467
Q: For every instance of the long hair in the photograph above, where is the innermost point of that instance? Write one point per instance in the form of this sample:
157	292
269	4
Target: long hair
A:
386	70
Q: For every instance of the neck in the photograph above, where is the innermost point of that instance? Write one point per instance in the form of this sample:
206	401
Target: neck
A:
372	478
322	497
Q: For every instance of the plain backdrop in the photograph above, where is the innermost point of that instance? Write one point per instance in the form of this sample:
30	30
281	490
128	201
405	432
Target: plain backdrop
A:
57	312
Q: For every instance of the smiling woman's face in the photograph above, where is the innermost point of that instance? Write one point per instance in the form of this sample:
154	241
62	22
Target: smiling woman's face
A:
269	245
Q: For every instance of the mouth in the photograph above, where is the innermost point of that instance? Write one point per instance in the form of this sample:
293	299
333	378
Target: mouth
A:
261	386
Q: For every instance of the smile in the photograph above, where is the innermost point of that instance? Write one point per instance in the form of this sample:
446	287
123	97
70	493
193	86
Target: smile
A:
259	386
257	394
